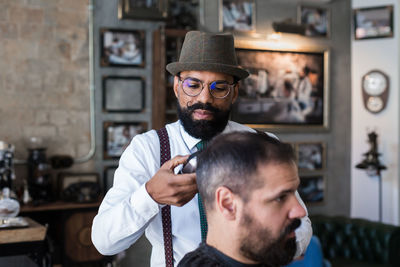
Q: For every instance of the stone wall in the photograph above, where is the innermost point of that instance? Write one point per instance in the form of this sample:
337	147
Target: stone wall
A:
44	76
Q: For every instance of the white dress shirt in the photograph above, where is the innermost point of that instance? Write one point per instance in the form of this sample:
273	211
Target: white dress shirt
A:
128	211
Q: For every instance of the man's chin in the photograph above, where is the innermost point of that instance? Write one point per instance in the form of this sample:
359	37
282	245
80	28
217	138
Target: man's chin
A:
206	126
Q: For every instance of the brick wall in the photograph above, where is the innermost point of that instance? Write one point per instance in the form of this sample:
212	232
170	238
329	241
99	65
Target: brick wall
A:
44	75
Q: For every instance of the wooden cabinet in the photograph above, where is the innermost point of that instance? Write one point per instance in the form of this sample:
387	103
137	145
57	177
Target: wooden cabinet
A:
166	49
68	229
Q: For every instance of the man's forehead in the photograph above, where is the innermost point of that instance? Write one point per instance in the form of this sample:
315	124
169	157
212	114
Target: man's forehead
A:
279	176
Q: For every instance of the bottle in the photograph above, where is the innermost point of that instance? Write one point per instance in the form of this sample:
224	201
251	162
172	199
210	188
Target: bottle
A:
39	175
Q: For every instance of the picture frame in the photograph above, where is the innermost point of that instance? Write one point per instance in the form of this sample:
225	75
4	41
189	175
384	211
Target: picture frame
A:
316	20
183	14
373	22
123	94
311	156
237	16
122	48
286	90
108	177
312	189
118	135
143	9
79	187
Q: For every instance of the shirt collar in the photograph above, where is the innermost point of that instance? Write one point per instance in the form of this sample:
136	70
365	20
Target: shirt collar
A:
189	140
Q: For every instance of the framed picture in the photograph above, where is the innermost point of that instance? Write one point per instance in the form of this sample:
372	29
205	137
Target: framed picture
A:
123	94
143	9
123	48
238	16
108	178
118	135
286	90
373	22
312	189
310	156
79	187
316	20
183	14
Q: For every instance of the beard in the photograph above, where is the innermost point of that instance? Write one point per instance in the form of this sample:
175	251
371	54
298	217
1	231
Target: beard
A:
203	129
258	245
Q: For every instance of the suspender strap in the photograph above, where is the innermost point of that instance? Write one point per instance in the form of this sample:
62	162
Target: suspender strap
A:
165	155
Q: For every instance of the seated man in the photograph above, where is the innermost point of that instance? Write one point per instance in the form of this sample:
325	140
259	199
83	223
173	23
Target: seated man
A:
248	183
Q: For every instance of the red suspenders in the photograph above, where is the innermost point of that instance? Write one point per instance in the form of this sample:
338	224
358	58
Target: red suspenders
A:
165	155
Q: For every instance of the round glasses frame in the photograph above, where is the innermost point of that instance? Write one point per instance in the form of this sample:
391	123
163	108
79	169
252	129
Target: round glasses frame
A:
209	85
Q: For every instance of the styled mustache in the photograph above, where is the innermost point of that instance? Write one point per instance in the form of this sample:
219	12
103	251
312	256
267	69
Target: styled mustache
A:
292	226
203	106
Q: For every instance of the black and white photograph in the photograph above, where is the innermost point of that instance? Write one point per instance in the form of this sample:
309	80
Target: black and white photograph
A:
373	22
312	189
310	156
285	89
183	14
238	16
123	94
315	19
118	135
122	48
143	9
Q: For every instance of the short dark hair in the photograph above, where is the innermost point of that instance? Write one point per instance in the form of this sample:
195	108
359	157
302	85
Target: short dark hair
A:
232	160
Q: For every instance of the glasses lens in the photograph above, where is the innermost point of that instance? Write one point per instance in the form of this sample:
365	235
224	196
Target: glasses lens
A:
220	89
191	86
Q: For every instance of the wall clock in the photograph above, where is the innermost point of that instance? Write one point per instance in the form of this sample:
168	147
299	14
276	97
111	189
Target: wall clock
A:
375	90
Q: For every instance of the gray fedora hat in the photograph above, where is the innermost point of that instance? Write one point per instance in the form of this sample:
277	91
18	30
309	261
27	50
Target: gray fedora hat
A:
209	52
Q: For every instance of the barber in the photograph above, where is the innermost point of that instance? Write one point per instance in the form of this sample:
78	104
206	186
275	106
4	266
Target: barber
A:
144	191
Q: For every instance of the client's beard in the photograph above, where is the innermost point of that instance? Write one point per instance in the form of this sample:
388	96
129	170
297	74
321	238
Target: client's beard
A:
203	129
258	245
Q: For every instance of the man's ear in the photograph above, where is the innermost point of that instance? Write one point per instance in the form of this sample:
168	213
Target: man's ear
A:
235	92
225	202
176	83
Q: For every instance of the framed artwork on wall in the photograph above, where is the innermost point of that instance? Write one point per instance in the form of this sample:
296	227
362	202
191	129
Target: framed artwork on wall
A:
373	22
237	16
122	48
143	9
311	156
183	14
316	20
118	135
123	94
79	187
286	90
108	178
312	189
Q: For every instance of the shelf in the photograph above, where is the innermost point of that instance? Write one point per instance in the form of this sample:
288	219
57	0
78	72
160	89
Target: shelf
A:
57	206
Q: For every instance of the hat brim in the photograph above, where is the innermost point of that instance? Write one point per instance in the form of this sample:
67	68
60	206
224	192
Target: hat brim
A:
176	67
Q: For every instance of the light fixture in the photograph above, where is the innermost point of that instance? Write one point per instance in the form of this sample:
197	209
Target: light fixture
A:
372	165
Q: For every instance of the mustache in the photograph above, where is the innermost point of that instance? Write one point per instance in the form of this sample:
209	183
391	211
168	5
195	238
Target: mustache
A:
203	106
292	226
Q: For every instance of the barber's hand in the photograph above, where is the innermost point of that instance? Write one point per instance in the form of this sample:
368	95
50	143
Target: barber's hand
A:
166	187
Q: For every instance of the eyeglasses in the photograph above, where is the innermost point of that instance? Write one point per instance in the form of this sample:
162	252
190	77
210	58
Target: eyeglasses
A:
193	87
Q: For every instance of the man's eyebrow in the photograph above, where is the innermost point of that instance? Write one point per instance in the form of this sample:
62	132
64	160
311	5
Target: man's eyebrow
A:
285	192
